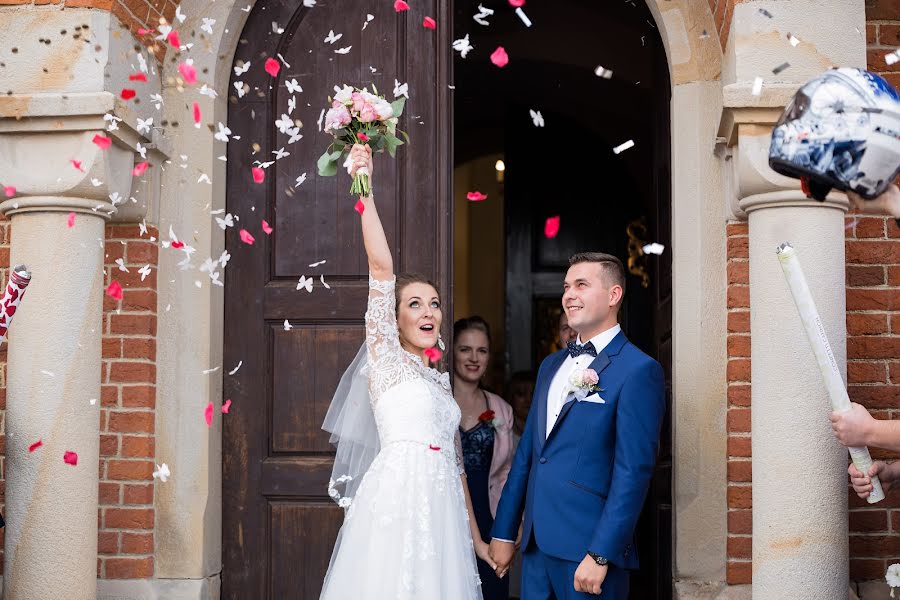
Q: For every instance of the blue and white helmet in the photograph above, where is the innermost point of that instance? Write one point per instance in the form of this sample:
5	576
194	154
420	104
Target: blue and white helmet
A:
842	131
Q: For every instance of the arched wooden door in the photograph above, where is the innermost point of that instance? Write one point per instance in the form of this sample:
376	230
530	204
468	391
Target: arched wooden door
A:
278	521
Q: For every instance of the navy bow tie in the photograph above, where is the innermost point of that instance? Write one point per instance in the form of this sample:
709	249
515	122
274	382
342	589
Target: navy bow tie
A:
576	350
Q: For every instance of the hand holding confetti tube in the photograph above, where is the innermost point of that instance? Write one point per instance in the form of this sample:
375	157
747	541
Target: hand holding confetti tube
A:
15	289
834	384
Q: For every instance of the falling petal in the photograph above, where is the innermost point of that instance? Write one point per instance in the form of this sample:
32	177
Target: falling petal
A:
35	445
76	164
499	57
127	93
551	227
102	141
258	174
476	196
208	414
517	3
197	116
433	354
188	72
226	407
70	458
287	325
70	220
137	77
176	245
114	291
172	38
9	190
359	207
267	228
140	168
272	67
246	237
400	6
429	23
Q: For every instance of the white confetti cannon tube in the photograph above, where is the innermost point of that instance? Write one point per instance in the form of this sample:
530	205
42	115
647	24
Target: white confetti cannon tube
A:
19	279
815	331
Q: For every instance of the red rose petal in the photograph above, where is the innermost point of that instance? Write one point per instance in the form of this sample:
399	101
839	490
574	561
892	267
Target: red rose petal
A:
362	137
517	3
359	207
188	73
267	228
429	23
76	164
272	67
176	244
139	168
172	38
246	237
226	407
35	445
70	220
551	227
197	116
127	93
258	174
143	31
137	77
435	448
9	190
499	57
476	196
433	354
70	458
400	6
114	291
487	415
102	141
208	414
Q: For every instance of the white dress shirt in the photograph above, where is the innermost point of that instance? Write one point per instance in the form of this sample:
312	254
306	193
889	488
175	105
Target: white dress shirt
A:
559	386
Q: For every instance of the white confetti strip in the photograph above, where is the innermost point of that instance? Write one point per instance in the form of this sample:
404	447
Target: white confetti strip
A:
757	86
521	14
235	370
623	147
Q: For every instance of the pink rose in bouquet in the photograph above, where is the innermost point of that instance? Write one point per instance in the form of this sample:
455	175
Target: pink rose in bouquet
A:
359	116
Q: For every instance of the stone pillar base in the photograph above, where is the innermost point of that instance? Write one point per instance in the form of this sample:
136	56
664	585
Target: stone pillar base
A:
691	590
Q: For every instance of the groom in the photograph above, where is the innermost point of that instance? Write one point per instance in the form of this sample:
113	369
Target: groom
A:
586	456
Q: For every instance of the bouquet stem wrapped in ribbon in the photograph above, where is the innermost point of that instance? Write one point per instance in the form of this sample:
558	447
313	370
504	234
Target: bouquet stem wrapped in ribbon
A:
358	116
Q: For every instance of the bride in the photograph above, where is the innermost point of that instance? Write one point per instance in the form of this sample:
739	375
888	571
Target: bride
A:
409	527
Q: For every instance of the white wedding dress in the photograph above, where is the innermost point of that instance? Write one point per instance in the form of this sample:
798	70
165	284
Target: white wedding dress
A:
406	533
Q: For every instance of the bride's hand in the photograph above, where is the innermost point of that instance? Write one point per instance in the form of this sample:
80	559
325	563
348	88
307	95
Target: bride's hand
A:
361	156
482	551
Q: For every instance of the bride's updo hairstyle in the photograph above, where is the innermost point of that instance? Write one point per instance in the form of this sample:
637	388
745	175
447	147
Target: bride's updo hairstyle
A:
404	279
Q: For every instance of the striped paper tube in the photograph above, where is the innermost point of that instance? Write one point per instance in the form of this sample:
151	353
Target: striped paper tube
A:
15	289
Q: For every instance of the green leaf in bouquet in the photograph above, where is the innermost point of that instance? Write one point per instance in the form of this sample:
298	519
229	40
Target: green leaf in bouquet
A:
339	133
405	135
327	165
392	144
336	155
374	89
397	106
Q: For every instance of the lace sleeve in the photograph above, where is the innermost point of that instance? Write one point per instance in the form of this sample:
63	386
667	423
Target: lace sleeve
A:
457	442
382	338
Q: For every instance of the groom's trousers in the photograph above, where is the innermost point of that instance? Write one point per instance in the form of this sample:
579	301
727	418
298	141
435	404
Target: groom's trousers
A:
547	578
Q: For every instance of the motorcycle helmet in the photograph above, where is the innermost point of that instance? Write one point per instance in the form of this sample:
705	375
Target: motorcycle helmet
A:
841	130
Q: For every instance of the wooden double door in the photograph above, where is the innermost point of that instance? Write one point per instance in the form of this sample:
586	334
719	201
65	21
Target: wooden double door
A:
278	522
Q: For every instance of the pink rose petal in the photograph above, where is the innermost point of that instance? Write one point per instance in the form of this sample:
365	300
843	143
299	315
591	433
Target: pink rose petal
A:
127	93
35	445
208	414
188	73
102	141
429	23
70	458
70	220
476	196
359	207
362	137
172	38
176	244
114	290
267	228
137	77
499	57
258	174
517	3
433	354
551	227
143	31
76	164
272	67
226	407
197	116
400	6
139	168
246	237
9	190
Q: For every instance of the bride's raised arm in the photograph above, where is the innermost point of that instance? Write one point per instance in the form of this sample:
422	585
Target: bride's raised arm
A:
381	264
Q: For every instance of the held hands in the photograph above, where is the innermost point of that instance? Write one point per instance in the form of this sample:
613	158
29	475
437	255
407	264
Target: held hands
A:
483	551
501	554
862	484
361	157
589	576
888	203
852	428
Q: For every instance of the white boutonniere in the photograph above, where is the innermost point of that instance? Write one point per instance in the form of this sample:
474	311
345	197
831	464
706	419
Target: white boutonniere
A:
583	382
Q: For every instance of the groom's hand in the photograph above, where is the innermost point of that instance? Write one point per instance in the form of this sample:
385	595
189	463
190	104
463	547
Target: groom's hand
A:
589	576
502	553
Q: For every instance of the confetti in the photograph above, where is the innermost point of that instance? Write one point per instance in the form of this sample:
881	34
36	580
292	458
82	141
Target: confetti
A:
293	87
172	38
222	133
332	38
523	17
476	196
765	13
70	458
120	263
144	125
35	445
140	168
114	290
317	264
235	370
359	207
208	414
401	89
127	93
102	141
499	57
322	279
272	67
429	23
188	72
226	407
70	220
624	146
207	25
259	175
228	221
305	283
162	472
654	248
369	19
537	118
197	116
433	354
137	77
551	227
483	12
241	68
463	46
287	325
780	68
892	57
246	237
603	72
400	6
343	50
267	228
793	40
757	85
309	3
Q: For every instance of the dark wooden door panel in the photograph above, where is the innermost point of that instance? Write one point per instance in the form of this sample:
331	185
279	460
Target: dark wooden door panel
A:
279	524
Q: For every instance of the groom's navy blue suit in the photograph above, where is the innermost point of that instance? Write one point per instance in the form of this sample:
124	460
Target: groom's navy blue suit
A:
582	488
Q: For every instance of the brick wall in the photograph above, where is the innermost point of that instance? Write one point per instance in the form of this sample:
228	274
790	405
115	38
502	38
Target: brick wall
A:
723	11
873	351
128	399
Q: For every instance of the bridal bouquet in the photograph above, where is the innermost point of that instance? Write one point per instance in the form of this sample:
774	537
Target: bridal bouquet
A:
357	116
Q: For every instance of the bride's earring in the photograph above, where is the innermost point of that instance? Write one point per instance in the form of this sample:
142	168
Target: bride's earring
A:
441	344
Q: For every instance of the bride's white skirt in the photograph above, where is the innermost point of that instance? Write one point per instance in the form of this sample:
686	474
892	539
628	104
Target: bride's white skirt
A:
406	535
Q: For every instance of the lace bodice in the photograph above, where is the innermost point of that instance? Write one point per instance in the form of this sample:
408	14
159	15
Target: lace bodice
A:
412	402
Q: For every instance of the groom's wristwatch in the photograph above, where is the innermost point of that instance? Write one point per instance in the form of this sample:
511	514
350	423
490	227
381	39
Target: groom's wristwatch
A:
598	559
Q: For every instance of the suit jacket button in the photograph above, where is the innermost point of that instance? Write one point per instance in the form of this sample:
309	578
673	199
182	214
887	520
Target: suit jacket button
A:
543	460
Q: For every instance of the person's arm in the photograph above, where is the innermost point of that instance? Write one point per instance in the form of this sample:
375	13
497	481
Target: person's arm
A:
482	550
857	428
381	264
888	203
862	484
